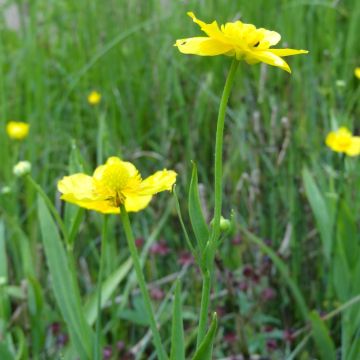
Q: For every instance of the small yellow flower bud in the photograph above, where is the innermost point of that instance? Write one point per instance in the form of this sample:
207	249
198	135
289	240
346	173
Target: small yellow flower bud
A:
357	72
94	98
17	130
22	168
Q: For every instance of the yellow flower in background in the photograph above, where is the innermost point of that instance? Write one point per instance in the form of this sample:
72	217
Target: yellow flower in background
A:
117	182
244	41
343	141
357	72
94	98
17	130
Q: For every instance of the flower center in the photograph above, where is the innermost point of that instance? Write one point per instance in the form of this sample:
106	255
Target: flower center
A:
115	177
344	141
244	35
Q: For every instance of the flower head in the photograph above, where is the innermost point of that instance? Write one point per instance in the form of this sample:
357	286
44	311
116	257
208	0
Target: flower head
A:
244	41
112	184
22	168
94	98
357	72
343	141
17	130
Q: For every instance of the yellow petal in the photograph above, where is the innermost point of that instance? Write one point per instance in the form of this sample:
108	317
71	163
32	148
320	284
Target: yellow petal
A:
137	203
330	139
101	206
160	181
287	52
354	148
268	58
202	46
357	72
270	38
212	30
78	186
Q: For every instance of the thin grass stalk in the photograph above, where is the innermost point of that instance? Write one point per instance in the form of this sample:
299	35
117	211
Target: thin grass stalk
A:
141	280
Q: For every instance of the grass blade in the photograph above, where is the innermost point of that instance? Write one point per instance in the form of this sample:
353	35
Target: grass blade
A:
65	290
198	223
177	336
320	210
324	344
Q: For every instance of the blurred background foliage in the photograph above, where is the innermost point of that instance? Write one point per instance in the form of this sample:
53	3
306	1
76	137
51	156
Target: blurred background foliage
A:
159	109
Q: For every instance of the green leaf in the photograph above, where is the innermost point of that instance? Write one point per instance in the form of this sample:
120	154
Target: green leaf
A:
198	222
3	257
5	353
205	349
138	314
107	289
65	289
321	212
325	346
341	275
177	334
347	235
5	308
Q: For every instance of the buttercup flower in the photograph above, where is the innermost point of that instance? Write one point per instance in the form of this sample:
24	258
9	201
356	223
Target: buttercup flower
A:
343	141
357	72
17	130
117	182
244	41
94	98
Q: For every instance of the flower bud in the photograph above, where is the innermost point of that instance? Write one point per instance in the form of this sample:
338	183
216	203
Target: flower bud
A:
225	224
22	168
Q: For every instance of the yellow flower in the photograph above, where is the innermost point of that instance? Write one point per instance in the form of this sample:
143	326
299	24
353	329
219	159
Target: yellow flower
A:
343	141
117	182
94	98
357	72
244	41
17	130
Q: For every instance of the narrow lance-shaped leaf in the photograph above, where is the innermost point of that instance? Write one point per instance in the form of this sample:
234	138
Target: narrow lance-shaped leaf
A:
321	212
198	222
177	336
205	350
66	291
325	346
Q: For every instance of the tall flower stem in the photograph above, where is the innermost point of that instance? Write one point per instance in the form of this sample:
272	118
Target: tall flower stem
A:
141	280
219	150
205	297
97	350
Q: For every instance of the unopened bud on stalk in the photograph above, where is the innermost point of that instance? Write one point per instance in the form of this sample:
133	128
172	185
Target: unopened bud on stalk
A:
225	224
22	168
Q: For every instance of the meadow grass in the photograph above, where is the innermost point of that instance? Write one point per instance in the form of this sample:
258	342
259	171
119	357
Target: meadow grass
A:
282	185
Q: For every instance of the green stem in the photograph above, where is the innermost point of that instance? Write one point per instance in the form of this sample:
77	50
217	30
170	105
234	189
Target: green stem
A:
205	299
97	350
205	296
140	277
219	149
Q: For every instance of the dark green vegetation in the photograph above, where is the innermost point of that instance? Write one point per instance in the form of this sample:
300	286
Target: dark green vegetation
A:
159	109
